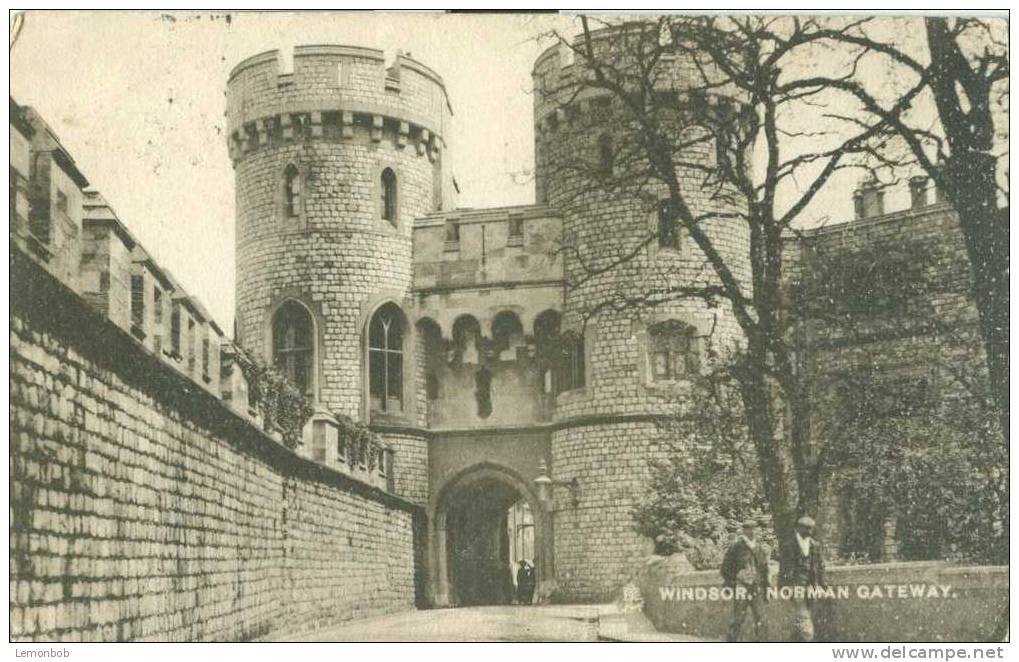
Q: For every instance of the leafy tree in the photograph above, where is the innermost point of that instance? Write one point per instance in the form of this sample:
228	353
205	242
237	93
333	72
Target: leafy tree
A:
704	479
925	465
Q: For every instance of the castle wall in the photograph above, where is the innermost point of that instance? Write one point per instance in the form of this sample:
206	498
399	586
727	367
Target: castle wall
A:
143	509
905	328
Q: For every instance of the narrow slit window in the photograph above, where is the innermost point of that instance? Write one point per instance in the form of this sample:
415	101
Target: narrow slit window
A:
291	192
668	232
388	202
606	155
175	331
138	305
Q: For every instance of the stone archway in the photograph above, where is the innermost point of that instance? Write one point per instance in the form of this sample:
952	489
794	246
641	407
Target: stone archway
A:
469	544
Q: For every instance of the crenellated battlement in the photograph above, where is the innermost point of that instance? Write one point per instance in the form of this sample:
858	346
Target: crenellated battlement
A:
558	72
335	93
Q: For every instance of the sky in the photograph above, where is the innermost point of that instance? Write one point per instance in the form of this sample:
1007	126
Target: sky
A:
138	99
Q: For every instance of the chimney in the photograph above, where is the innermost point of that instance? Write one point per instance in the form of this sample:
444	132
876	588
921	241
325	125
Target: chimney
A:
918	191
869	199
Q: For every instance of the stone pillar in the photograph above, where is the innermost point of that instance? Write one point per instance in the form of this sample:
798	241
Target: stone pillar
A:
918	191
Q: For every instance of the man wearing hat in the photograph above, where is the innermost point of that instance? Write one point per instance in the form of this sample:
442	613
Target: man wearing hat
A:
745	571
807	570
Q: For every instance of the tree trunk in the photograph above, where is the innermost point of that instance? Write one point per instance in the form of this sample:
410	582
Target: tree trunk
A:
766	436
972	190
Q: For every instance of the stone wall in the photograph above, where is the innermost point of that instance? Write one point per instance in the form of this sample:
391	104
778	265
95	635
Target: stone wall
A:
967	603
143	509
595	542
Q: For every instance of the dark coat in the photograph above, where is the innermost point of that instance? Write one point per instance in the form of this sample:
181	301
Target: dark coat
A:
806	570
739	556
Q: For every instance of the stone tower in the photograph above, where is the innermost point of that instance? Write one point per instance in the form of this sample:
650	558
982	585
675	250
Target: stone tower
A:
335	154
632	362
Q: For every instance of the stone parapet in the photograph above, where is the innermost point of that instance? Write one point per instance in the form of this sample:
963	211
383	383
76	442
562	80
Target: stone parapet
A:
929	601
335	92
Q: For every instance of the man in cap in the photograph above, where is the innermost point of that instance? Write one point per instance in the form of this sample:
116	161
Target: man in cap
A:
807	570
745	571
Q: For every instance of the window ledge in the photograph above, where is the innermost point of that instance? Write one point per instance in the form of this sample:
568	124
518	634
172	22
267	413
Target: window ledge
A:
665	384
572	396
515	240
392	418
451	247
668	251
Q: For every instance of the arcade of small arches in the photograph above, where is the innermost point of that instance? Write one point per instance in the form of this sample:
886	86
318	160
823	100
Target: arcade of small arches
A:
673	351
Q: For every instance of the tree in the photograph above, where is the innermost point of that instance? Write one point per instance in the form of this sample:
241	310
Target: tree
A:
962	69
745	85
705	481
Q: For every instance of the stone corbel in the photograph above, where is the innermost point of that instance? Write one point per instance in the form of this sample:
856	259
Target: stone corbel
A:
236	143
433	149
423	141
288	126
376	128
262	130
250	138
316	124
347	124
401	137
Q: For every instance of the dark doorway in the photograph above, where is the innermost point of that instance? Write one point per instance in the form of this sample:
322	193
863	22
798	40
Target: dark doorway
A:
479	545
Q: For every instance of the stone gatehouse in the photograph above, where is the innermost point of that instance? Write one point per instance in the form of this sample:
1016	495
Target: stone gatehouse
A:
516	425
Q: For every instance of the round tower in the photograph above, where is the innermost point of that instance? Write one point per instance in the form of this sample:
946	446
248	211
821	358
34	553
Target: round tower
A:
334	155
634	360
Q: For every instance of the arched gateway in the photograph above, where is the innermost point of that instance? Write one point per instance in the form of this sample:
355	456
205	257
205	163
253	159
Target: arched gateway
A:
483	521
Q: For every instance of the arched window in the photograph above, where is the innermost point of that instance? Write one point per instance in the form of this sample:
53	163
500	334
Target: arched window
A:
572	369
673	351
606	156
466	340
385	359
546	339
668	228
430	339
293	346
507	331
388	193
291	191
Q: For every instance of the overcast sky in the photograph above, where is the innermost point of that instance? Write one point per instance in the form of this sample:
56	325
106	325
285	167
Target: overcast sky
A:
138	99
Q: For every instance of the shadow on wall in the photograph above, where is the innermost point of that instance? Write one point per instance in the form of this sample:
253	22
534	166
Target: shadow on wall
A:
915	601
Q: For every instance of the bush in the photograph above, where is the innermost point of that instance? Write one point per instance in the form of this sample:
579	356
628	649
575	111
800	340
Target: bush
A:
704	481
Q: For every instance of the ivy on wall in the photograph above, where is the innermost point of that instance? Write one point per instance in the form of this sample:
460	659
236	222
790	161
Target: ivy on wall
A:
361	446
282	406
842	285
